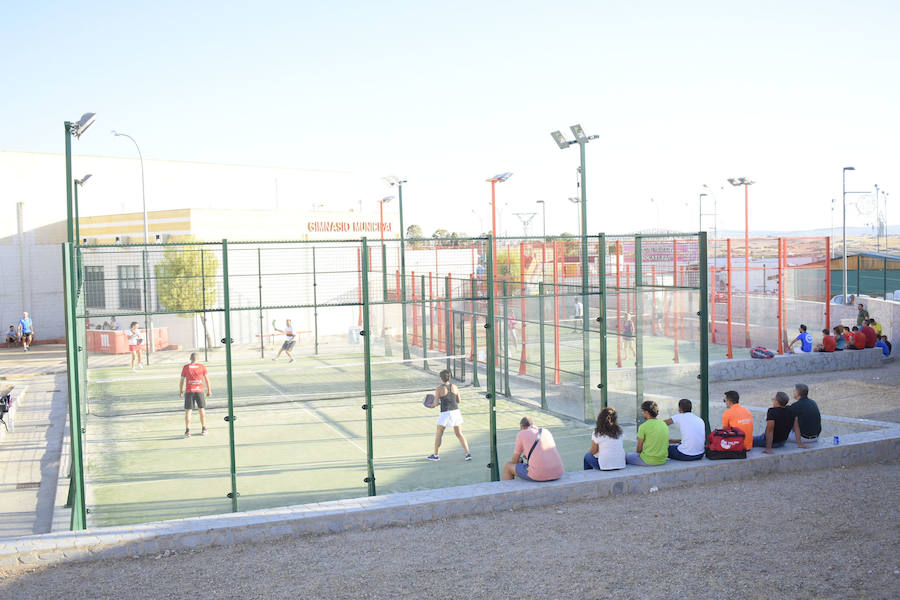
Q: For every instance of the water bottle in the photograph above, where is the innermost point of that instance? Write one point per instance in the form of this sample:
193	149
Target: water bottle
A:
837	440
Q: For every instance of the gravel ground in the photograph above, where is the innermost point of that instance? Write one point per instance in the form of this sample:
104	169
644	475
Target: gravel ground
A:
822	534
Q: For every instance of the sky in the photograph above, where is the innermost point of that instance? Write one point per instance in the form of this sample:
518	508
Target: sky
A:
445	95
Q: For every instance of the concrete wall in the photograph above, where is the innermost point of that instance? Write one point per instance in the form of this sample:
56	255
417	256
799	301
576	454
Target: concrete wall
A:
31	280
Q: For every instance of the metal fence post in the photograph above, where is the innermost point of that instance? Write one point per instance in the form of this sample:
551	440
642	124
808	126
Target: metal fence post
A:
226	300
425	328
262	339
367	351
542	351
315	305
78	519
203	300
601	319
505	329
638	330
490	366
474	334
704	333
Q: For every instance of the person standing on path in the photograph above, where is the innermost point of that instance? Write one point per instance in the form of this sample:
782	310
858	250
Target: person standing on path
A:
862	315
448	395
190	387
26	331
135	342
289	341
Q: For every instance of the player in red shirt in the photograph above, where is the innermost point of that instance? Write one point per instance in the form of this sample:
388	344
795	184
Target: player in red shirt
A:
193	377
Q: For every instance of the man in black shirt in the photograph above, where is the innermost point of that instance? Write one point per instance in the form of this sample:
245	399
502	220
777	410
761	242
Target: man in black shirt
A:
779	424
806	416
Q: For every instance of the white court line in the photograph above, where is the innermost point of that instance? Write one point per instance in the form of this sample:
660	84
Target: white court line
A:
437	357
317	417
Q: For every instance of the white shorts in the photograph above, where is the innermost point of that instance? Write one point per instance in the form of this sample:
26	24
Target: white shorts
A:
451	418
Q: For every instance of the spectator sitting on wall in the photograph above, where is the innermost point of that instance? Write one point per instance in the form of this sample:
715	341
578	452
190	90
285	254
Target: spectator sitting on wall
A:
779	423
805	339
738	417
807	418
876	327
848	336
859	339
11	337
828	342
693	433
871	336
862	315
884	344
839	341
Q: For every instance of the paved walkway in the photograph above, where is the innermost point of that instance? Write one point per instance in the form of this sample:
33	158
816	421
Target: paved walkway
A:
30	455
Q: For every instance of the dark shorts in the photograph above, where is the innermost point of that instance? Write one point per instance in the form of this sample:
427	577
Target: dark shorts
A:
522	471
288	346
194	400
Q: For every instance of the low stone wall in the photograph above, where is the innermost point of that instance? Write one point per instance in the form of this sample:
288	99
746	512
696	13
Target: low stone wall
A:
23	553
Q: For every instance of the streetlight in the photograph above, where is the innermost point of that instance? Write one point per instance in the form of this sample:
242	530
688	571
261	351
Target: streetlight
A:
577	200
745	181
543	216
393	180
844	228
147	319
499	178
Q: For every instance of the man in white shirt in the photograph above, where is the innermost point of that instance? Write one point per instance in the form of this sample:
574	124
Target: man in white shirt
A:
693	433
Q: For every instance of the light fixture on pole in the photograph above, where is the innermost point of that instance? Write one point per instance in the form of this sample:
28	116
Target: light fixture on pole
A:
844	230
499	178
148	322
77	129
393	180
79	183
745	181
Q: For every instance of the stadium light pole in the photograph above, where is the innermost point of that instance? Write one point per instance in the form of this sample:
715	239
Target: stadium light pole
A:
393	180
700	211
499	178
844	231
77	129
148	320
745	181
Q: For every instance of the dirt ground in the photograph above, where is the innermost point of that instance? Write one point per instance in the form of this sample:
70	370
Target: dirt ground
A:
830	533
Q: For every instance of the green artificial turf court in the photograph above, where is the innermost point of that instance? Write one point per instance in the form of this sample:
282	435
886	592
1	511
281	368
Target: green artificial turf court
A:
299	437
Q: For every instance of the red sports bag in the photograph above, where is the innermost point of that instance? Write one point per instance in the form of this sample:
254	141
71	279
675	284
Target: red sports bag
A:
725	443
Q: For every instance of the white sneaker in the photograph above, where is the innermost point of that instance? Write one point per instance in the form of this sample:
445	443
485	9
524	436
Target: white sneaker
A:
140	365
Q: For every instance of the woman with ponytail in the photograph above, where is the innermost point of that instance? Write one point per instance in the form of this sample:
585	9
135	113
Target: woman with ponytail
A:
607	452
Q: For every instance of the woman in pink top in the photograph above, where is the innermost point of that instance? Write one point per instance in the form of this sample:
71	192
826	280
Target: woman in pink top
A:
535	457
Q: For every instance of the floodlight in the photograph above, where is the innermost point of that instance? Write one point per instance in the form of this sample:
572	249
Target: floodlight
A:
560	140
386	199
500	177
86	120
735	181
83	179
574	200
578	132
849	168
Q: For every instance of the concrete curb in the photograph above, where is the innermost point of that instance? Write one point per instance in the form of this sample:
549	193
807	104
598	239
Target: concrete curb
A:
416	507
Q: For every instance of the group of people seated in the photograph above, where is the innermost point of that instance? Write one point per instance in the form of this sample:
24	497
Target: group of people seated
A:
536	458
106	326
869	335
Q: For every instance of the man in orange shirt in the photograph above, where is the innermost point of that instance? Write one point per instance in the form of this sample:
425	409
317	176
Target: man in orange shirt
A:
194	374
738	417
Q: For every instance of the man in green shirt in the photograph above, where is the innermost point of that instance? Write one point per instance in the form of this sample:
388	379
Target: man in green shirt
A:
652	439
862	315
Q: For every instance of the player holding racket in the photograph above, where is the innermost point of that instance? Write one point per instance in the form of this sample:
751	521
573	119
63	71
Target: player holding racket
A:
289	340
448	395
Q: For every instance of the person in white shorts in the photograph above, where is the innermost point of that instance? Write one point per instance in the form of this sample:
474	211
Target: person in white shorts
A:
448	395
135	342
289	341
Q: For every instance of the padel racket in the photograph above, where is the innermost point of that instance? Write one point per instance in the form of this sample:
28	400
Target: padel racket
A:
429	401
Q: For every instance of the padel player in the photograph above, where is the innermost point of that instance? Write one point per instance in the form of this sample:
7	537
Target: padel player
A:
26	331
448	395
193	377
289	340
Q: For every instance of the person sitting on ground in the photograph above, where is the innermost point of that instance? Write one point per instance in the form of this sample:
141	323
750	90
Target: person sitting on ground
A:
829	344
652	439
883	344
871	337
693	433
862	315
807	418
11	337
875	326
805	339
779	424
859	339
536	446
839	342
607	452
738	417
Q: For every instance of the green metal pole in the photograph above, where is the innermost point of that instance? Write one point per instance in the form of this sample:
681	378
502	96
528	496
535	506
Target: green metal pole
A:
474	337
505	329
424	329
384	327
203	299
585	297
884	274
601	319
403	274
145	268
70	224
490	367
78	269
262	340
228	371
78	519
543	352
638	340
367	350
448	328
315	305
704	331
384	294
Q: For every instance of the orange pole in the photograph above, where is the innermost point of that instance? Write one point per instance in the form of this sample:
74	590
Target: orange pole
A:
653	298
618	305
728	258
828	282
431	309
780	318
415	313
397	292
677	299
522	313
450	316
712	304
472	313
556	378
